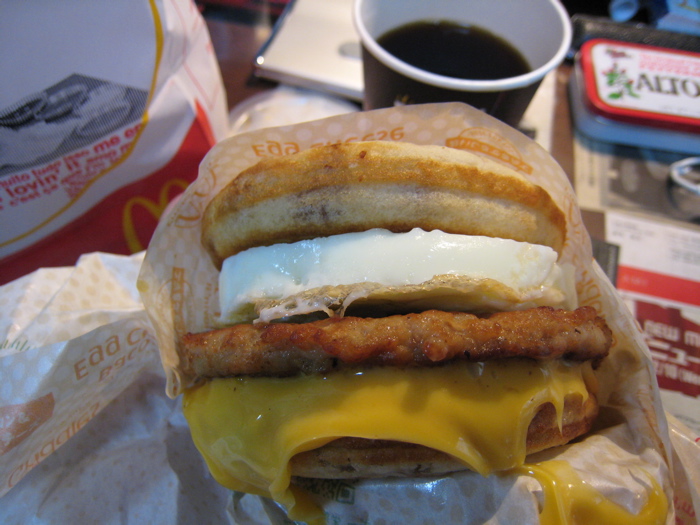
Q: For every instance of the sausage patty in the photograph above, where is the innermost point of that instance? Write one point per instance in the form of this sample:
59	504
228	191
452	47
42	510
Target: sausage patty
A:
418	339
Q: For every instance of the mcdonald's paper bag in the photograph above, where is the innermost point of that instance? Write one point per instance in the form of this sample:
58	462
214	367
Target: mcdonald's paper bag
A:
106	110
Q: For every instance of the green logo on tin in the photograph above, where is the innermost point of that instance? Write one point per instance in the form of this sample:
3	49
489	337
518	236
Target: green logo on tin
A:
619	83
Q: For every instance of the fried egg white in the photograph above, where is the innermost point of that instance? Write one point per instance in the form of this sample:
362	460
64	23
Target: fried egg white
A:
419	269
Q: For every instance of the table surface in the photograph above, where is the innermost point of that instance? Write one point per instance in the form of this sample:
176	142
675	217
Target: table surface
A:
236	42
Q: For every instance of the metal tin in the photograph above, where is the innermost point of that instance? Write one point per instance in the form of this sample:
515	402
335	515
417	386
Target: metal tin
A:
638	95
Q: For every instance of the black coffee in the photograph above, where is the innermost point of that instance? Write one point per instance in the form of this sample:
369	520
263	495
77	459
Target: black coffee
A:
453	50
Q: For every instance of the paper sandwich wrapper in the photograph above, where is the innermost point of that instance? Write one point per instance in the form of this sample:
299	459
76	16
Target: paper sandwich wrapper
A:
179	285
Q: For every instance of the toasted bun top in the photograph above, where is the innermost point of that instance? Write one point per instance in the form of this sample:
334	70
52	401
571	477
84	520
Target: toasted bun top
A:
398	186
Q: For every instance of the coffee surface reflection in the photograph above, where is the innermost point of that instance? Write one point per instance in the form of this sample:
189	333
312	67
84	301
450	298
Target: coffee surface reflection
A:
454	50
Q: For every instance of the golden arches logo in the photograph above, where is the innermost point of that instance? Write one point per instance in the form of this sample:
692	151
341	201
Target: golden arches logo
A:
156	209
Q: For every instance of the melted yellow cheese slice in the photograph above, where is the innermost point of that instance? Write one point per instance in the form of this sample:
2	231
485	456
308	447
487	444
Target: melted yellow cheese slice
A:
247	429
570	501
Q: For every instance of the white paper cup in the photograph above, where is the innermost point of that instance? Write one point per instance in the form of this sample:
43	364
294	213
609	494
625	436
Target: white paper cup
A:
539	29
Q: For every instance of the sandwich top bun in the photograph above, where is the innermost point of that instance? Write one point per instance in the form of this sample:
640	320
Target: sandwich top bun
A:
359	186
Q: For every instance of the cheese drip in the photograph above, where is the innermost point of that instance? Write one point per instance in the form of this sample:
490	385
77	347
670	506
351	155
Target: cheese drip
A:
570	501
327	274
247	429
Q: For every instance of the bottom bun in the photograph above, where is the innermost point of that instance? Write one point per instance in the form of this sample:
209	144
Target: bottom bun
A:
351	458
